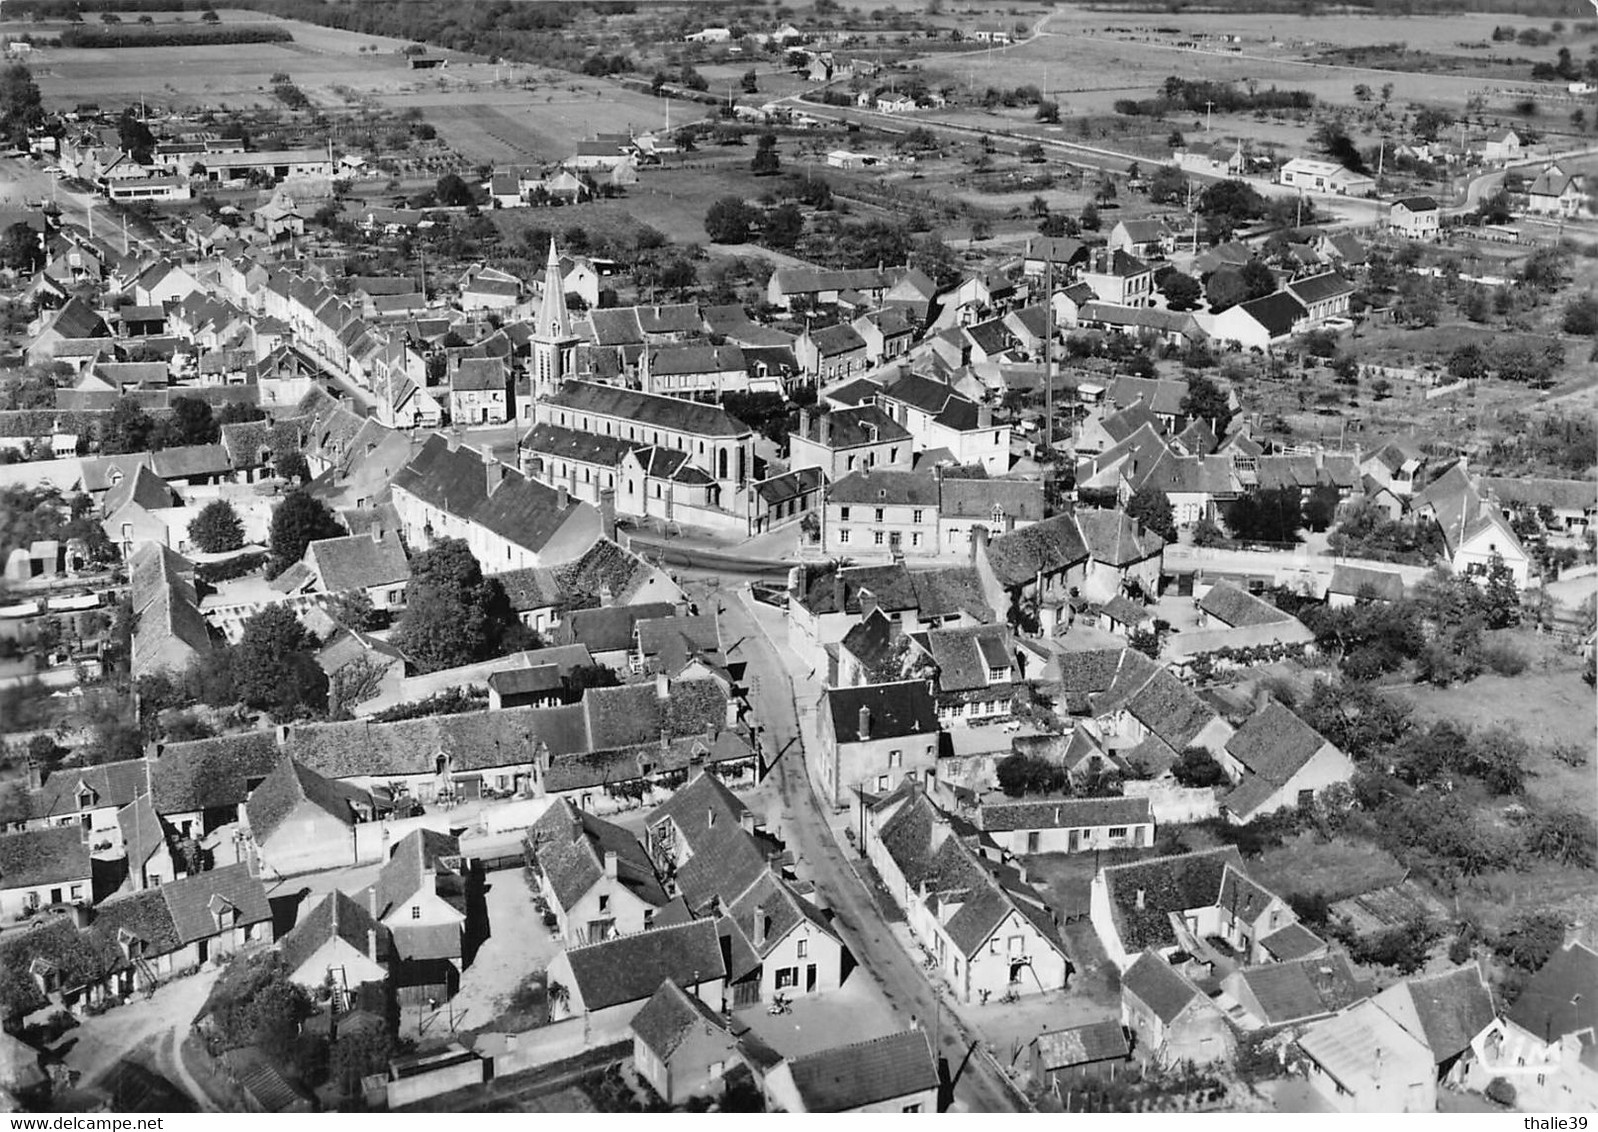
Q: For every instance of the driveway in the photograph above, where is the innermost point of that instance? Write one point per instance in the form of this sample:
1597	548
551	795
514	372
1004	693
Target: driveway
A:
855	1012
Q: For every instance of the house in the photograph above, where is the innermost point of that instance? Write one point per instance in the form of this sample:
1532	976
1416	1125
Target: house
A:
1170	1018
1363	1061
1394	466
1474	532
1118	278
1324	296
479	392
302	822
1351	584
1172	328
704	841
337	939
86	797
612	981
1557	193
1233	607
1067	825
1144	239
1262	323
896	1073
1543	1045
372	563
1275	761
1502	146
1000	505
595	876
148	843
881	511
988	931
832	353
875	736
200	786
1567	508
44	866
1419	218
417	898
978	668
160	932
1173	903
681	1046
780	500
1059	1060
1293	992
1446	1010
1325	177
887	333
937	416
1038	564
845	441
777	943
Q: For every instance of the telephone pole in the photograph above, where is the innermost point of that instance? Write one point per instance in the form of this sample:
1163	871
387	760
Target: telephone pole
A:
1209	115
1048	350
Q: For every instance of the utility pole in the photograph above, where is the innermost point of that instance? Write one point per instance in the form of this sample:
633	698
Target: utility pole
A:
1048	350
1209	115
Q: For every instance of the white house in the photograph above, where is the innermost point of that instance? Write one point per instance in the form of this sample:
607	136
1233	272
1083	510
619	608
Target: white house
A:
1415	217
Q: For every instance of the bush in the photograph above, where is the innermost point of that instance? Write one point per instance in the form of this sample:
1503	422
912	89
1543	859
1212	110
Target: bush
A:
1503	658
1501	1092
1529	940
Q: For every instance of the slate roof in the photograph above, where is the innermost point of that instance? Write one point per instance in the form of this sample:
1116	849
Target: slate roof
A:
1160	987
1237	608
670	1015
1278	313
573	444
770	904
1082	1045
1169	884
1047	547
358	562
288	787
1417	204
791	485
611	628
451	481
407	869
528	513
1444	1010
211	773
883	487
849	428
569	847
1385	585
109	784
1320	288
1063	813
897	710
1295	941
724	860
1559	999
1021	500
337	916
54	855
847	1077
141	488
1115	538
631	968
647	408
965	655
1162	395
1303	989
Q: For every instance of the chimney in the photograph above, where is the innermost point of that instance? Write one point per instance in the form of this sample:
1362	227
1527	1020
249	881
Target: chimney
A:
606	597
837	590
979	540
607	513
804	423
747	821
1140	896
371	944
824	430
453	439
35	773
662	687
562	499
610	863
493	471
868	604
984	416
864	726
762	928
377	532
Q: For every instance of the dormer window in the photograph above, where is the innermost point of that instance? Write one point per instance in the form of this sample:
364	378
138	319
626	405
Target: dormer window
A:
223	912
85	797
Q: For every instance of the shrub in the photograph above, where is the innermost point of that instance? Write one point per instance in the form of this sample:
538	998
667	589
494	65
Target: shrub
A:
1500	1091
1503	658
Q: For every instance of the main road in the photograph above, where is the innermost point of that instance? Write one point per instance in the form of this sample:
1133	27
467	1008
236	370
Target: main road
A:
973	1078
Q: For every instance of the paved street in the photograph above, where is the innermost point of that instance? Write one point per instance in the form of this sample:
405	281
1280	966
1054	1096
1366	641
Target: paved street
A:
978	1085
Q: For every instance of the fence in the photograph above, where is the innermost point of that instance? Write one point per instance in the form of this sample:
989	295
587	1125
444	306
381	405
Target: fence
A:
1445	390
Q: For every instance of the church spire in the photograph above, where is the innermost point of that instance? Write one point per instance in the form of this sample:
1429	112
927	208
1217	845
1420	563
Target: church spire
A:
554	324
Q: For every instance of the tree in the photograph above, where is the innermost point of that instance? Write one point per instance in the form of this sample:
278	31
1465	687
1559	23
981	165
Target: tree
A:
128	430
1207	401
1235	202
276	670
1500	598
453	615
728	221
1530	940
1048	111
785	224
453	192
1020	774
299	520
354	610
216	529
751	82
1090	217
1258	279
1566	836
1152	507
1225	288
209	16
135	136
20	250
1266	515
1581	315
20	106
1333	140
1544	268
1197	767
584	676
191	422
1168	186
765	161
1182	292
1206	533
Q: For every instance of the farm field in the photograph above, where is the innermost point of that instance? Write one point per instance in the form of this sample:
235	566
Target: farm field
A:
1306	864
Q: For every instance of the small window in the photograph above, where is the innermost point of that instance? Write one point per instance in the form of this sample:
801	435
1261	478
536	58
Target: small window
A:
804	948
416	911
879	514
604	902
915	516
882	783
895	759
876	536
911	1108
843	514
1118	831
843	536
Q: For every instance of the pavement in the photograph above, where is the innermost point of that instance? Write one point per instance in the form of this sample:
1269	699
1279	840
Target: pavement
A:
813	833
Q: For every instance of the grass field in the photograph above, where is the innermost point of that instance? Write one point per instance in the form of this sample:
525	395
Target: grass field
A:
1307	864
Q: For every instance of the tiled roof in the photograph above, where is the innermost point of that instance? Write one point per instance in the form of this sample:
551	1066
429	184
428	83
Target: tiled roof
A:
196	901
1159	986
108	784
631	968
338	916
411	863
1565	495
1237	608
670	1015
848	1077
646	408
1052	545
1303	989
1168	884
1115	538
724	859
573	444
611	628
1064	813
1444	1010
356	562
144	917
1170	709
289	786
849	428
965	655
1082	1045
211	773
960	498
1385	585
896	710
53	855
1278	313
569	846
948	590
1274	743
1161	395
143	832
1295	941
141	488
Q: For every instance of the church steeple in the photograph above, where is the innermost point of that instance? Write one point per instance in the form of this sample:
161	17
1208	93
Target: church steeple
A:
554	323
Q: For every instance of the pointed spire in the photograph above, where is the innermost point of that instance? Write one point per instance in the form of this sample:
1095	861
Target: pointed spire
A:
554	324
